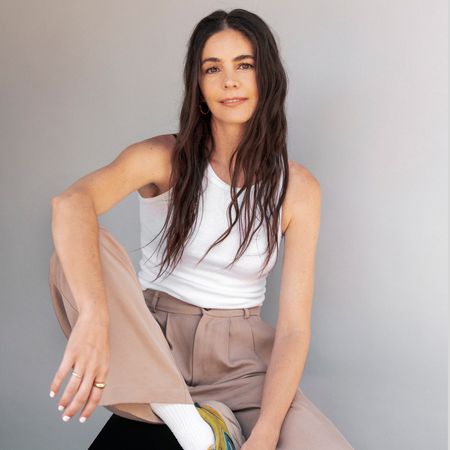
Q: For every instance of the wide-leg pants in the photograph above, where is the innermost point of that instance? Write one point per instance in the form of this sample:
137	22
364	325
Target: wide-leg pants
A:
163	349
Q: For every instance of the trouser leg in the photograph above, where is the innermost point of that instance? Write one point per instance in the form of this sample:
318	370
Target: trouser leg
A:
305	427
142	368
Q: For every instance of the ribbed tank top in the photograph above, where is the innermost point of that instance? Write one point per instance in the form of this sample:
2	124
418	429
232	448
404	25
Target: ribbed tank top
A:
208	284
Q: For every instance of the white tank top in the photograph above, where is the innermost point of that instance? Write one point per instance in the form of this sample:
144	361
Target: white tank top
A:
207	284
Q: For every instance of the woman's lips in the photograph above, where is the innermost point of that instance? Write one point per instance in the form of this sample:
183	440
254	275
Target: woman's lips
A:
233	103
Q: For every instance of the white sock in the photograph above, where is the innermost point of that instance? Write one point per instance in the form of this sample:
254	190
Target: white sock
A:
186	423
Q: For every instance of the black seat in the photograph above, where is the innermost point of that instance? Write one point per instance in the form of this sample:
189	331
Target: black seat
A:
120	433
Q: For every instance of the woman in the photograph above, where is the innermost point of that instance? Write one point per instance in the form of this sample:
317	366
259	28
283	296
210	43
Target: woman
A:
182	343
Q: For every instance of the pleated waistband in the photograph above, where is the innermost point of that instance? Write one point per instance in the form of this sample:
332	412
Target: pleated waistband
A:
160	300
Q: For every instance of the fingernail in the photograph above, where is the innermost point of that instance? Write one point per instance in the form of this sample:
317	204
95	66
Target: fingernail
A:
60	407
52	394
66	418
82	419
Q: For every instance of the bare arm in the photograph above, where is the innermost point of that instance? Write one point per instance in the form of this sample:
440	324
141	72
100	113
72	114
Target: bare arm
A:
293	335
75	234
75	227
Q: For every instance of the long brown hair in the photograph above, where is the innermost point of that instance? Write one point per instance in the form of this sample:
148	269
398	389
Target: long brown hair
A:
262	152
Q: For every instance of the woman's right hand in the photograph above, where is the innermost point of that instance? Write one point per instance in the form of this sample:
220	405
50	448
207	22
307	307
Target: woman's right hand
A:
87	353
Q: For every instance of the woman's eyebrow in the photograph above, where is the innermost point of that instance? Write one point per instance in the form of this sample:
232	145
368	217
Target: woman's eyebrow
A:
237	58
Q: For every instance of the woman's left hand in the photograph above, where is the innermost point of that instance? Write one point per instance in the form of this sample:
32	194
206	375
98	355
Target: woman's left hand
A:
258	440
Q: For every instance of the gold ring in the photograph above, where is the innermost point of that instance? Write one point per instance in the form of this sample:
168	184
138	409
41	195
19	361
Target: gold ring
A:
99	385
76	374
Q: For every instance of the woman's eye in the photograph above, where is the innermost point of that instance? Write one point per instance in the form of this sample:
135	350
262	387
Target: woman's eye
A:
242	64
247	64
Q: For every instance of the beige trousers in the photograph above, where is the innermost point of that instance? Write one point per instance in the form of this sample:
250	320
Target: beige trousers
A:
163	349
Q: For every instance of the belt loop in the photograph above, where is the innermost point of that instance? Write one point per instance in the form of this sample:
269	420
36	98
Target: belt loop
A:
154	301
246	313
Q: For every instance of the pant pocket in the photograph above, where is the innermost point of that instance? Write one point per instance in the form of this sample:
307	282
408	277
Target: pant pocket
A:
263	338
161	318
240	340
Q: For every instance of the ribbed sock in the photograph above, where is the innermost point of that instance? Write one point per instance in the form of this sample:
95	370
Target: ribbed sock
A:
186	423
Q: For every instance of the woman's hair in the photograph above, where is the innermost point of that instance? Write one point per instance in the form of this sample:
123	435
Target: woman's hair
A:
262	152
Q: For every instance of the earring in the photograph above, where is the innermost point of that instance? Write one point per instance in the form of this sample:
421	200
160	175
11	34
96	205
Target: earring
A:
200	106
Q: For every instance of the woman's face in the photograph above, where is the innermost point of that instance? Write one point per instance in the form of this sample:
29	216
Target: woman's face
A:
222	76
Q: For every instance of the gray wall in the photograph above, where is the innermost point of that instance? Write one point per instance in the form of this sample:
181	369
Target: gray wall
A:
367	111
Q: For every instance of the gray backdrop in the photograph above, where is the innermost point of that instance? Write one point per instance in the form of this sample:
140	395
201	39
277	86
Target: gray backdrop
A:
367	110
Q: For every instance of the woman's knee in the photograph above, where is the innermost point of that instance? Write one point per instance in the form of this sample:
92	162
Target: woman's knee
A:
306	427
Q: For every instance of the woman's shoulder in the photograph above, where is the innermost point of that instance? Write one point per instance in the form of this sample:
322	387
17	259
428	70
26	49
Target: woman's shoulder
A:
303	185
165	144
301	176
